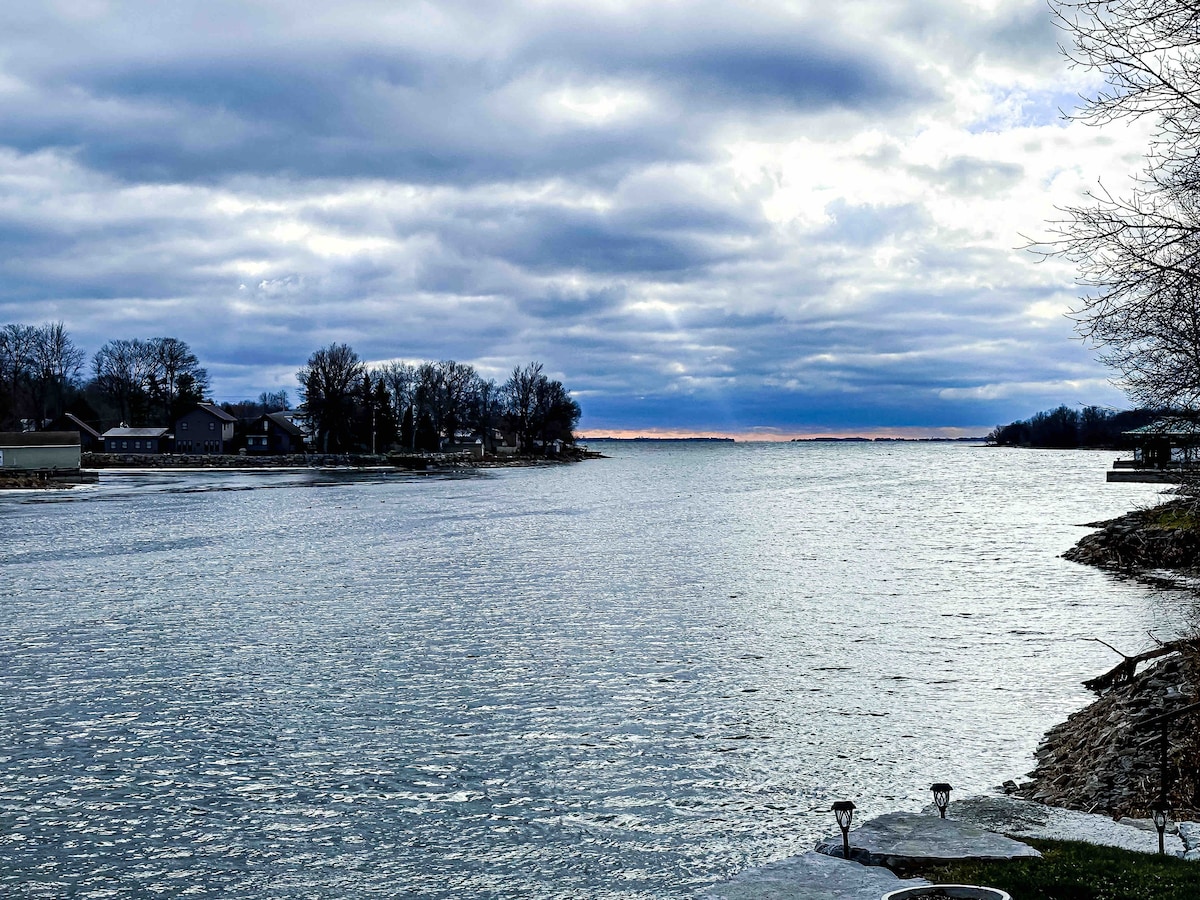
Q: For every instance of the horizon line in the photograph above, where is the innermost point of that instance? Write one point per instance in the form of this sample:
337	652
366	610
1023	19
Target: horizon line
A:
779	436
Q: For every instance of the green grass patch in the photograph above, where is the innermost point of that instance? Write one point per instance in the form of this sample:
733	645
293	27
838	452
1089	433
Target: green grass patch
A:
1071	870
1177	520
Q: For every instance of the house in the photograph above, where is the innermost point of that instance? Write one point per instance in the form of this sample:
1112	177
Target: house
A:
136	440
38	451
89	438
464	443
1166	442
206	429
275	434
1161	450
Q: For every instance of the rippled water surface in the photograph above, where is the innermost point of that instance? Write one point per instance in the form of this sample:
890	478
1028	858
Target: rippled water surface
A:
625	678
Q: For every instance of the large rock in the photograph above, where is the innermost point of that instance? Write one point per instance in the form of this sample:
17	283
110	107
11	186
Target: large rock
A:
902	839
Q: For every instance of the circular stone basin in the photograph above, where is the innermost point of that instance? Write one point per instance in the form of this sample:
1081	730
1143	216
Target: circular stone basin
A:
948	892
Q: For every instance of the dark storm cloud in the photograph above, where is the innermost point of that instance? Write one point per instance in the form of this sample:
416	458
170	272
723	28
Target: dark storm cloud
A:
370	108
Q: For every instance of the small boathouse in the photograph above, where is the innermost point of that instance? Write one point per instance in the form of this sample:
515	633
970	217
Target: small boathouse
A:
41	454
1162	451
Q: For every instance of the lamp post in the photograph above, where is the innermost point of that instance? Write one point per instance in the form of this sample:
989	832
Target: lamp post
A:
941	797
844	811
1159	811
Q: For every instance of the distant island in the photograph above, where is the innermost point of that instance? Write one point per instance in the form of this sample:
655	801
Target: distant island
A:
800	440
890	440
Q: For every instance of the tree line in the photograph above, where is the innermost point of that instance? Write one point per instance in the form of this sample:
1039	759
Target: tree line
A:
1067	428
39	370
353	406
139	382
426	405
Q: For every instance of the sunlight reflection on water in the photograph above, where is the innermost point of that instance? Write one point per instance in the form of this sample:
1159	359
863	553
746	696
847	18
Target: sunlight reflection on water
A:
626	678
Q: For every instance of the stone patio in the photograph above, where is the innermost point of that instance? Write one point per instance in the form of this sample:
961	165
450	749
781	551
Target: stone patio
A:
901	839
894	839
971	831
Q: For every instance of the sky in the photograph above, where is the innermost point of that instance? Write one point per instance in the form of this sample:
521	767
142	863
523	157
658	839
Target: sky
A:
768	219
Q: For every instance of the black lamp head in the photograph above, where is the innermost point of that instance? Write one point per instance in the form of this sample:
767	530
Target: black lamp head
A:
941	796
1159	810
844	811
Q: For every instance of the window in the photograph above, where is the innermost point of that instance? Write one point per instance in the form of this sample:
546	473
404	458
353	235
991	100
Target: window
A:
212	426
124	445
183	426
137	445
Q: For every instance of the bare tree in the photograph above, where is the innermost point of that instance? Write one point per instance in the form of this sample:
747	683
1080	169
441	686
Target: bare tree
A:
55	362
328	383
459	385
1138	256
520	401
122	371
540	408
148	380
555	413
16	373
487	409
177	379
400	379
274	401
428	403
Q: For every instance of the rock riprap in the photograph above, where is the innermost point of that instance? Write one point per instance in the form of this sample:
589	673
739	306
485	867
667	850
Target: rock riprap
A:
1105	758
1165	537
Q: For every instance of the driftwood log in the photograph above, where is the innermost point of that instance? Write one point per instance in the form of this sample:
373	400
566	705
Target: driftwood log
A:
1124	671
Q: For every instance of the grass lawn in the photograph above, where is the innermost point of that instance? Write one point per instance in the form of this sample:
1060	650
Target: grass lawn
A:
1070	870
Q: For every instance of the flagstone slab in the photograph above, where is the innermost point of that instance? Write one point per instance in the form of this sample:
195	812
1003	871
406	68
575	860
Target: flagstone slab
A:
903	839
1027	819
810	876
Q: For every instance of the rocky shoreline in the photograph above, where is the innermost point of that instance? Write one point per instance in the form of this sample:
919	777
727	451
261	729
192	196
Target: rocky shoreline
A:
1105	758
31	482
1163	537
408	461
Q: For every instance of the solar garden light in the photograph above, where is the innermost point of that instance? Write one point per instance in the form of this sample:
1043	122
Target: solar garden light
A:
1159	811
941	796
844	811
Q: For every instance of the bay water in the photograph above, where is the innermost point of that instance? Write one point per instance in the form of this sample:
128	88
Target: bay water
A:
630	677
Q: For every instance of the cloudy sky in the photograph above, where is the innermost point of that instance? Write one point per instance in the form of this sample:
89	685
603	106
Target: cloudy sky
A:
775	218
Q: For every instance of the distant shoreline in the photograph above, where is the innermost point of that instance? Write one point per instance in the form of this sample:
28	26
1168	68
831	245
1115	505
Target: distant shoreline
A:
797	440
676	440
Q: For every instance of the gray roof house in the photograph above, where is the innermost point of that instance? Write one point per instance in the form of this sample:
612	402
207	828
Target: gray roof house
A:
136	440
206	429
